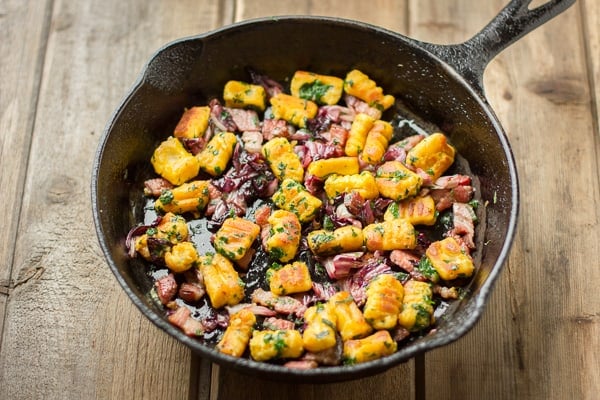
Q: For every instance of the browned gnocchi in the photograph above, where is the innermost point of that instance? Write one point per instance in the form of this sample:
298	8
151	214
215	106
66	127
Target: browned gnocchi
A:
302	226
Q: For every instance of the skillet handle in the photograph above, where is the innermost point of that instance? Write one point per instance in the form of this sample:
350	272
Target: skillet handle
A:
470	58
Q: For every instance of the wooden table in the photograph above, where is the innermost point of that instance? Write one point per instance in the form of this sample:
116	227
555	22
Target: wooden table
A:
70	332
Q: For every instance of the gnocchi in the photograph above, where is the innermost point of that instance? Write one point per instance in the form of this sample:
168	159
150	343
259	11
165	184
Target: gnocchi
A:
302	225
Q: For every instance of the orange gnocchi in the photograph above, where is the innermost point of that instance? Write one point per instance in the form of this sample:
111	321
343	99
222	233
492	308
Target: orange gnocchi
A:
304	224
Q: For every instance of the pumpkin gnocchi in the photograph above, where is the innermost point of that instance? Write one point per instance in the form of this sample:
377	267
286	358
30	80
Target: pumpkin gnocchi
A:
314	235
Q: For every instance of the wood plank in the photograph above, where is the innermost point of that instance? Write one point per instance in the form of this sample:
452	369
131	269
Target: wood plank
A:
479	372
551	123
70	331
396	383
20	69
389	14
590	12
540	314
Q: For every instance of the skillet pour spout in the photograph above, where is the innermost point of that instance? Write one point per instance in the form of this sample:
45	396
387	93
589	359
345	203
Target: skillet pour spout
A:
441	84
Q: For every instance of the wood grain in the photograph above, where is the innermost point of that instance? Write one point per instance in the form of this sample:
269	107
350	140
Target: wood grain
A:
550	123
20	73
390	14
536	314
70	331
397	383
590	12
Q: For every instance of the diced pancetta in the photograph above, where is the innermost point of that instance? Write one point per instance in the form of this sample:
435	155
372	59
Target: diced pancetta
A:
166	288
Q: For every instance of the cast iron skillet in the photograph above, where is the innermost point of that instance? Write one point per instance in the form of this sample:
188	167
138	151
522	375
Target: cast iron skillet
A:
442	84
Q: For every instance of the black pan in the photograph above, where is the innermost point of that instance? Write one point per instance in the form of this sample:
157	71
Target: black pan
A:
442	84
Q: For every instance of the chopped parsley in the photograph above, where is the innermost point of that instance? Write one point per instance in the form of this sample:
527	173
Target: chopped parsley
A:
276	339
328	223
426	268
314	91
394	210
166	197
277	253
